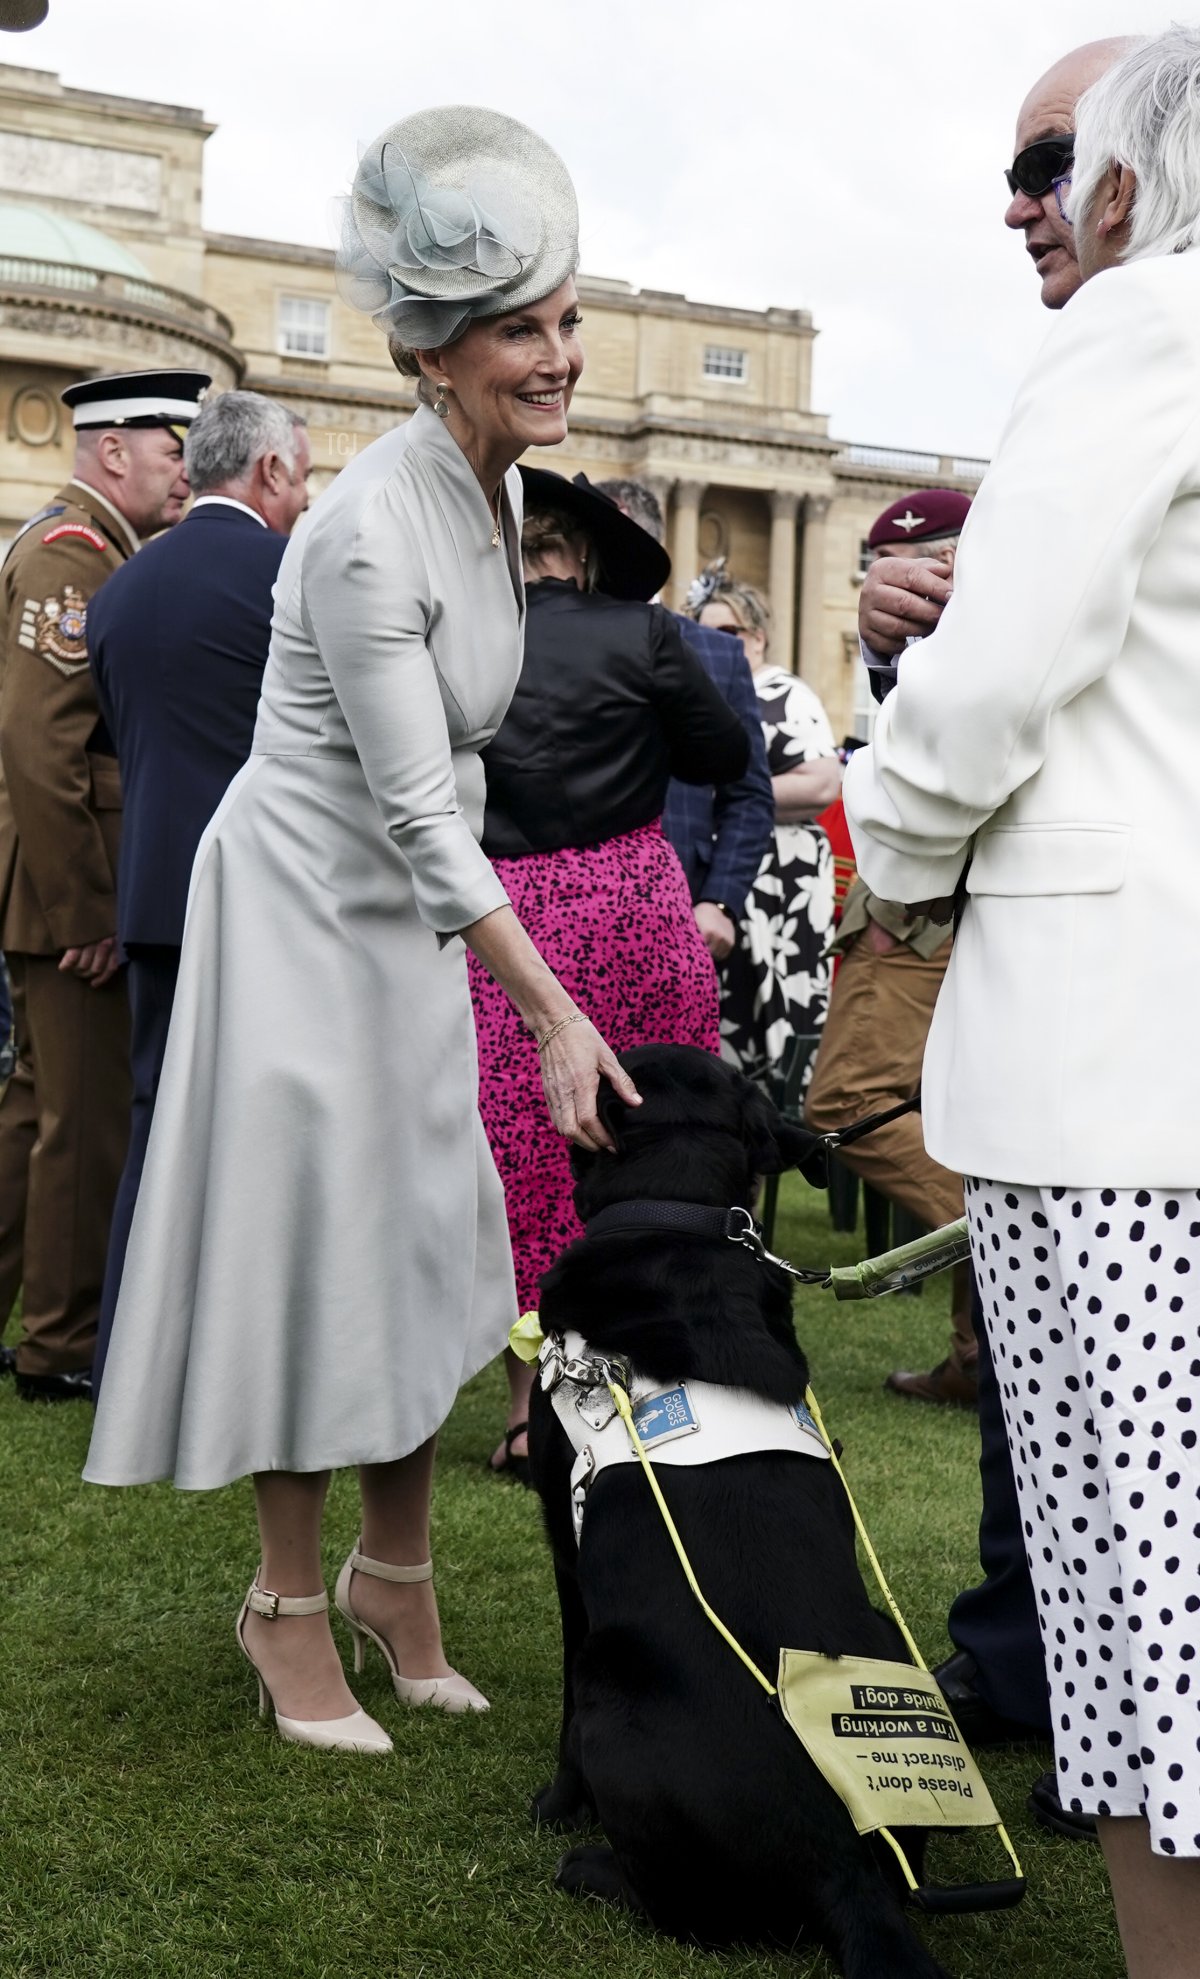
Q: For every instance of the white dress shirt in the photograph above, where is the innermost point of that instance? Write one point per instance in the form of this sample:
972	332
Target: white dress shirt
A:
227	501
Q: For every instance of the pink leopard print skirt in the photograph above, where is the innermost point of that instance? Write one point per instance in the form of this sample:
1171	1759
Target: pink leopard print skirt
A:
615	923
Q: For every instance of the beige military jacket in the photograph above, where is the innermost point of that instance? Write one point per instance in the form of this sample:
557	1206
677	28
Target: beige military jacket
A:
60	795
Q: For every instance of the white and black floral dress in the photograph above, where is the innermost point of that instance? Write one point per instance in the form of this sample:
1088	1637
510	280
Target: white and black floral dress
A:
776	982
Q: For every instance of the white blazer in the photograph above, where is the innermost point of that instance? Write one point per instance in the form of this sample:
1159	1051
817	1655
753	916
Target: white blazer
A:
1049	731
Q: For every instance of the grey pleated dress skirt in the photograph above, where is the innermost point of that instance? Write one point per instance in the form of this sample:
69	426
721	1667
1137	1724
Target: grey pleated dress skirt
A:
319	1255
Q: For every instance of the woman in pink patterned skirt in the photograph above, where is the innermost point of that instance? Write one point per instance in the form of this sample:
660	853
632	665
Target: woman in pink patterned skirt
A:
610	706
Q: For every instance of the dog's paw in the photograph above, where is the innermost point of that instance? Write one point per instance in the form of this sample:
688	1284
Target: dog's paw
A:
563	1804
593	1872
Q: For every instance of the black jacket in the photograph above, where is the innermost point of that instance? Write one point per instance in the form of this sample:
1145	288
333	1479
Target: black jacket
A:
609	707
177	650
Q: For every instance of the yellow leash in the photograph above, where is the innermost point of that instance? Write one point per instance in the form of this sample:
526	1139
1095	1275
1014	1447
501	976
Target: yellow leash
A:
625	1411
814	1411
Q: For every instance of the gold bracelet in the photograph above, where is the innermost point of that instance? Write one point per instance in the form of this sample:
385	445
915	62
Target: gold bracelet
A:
577	1017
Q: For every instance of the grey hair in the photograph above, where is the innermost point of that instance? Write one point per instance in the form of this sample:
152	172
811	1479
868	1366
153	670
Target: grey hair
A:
928	550
1145	113
231	432
639	502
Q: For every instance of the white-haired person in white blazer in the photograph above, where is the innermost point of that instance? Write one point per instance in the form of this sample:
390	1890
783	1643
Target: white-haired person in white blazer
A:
1042	753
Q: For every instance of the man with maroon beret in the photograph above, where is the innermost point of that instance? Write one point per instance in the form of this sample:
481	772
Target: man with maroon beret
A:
882	1005
925	527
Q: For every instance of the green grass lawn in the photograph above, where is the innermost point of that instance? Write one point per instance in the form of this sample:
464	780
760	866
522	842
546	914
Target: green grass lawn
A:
152	1826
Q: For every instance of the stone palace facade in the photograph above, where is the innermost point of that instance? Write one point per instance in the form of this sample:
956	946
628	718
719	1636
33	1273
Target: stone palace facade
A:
104	265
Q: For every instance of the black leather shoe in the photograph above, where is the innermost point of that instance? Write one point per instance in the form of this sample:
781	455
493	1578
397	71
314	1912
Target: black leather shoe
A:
8	1361
75	1387
1049	1812
976	1720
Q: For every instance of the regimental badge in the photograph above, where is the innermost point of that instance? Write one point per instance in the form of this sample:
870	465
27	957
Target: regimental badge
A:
56	629
79	532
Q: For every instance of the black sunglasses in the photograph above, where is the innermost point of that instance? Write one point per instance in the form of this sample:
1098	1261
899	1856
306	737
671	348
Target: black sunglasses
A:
1034	170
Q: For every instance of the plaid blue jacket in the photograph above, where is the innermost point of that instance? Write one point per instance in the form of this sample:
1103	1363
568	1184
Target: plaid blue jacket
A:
721	834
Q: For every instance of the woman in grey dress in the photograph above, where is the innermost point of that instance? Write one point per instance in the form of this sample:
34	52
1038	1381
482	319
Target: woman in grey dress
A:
319	1256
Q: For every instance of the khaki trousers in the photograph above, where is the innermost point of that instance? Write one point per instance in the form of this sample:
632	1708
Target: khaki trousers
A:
64	1124
869	1059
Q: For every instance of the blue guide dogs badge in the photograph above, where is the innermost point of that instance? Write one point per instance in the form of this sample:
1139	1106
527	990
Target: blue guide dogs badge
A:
663	1417
803	1420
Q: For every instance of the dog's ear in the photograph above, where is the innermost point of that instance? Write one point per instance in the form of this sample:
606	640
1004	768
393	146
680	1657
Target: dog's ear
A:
774	1143
614	1112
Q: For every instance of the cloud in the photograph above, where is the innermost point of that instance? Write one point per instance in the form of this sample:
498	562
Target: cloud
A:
842	160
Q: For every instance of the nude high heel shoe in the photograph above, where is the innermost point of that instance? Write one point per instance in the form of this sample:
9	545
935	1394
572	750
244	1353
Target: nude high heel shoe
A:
452	1693
356	1733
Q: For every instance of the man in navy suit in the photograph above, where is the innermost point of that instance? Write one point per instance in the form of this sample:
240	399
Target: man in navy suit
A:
177	651
719	833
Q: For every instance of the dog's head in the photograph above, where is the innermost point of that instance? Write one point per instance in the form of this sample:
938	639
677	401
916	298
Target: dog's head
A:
703	1133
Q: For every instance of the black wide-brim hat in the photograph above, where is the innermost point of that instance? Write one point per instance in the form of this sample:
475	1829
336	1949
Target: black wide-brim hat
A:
632	564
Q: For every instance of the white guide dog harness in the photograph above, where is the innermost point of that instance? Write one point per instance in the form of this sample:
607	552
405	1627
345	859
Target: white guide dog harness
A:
687	1422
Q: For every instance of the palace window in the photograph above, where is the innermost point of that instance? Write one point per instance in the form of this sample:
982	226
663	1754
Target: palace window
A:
724	362
866	557
303	327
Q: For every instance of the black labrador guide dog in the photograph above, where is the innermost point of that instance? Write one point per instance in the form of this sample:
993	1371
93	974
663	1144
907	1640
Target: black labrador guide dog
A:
719	1827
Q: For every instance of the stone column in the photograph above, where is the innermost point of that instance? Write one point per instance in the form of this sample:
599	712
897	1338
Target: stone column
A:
785	507
661	485
812	588
685	538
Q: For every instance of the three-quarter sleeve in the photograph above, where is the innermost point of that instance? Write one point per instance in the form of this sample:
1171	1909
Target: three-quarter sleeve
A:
367	606
704	735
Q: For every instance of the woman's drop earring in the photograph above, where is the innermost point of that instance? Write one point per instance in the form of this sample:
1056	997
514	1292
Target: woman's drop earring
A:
439	404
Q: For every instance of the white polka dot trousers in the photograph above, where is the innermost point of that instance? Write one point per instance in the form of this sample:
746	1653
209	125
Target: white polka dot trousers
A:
1092	1299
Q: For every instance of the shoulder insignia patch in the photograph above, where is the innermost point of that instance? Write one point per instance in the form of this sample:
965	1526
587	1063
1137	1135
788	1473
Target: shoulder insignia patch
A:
43	515
92	536
56	630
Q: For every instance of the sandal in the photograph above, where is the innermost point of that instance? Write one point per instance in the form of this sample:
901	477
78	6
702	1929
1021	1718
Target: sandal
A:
512	1465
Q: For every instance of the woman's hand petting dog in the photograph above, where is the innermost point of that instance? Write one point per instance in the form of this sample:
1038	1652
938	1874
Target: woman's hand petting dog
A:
574	1062
575	1058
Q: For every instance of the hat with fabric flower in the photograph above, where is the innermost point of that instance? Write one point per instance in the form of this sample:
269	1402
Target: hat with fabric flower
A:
455	214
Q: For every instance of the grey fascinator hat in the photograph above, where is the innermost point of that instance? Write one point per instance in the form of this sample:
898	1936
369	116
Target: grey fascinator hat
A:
455	214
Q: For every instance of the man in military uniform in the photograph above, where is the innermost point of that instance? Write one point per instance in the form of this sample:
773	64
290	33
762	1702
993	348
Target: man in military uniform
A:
882	1006
64	1116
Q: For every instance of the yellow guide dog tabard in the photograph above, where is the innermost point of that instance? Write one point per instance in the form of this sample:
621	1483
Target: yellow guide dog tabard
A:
882	1736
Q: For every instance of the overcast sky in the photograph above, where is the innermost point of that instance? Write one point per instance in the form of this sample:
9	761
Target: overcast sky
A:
843	157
